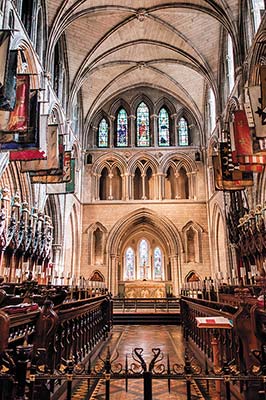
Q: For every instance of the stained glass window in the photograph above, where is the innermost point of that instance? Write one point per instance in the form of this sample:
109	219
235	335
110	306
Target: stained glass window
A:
130	264
143	125
122	129
143	258
164	128
157	263
103	133
182	132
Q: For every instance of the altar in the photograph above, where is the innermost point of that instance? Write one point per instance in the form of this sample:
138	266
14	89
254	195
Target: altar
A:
145	289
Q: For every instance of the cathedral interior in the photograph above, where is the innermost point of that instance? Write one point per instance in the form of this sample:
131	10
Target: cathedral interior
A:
132	199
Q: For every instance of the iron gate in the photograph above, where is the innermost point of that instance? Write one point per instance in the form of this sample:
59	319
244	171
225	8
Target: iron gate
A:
18	383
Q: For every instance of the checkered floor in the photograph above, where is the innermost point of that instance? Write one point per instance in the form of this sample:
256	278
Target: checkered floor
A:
123	340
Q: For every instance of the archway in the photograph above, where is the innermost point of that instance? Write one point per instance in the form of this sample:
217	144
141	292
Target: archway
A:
159	233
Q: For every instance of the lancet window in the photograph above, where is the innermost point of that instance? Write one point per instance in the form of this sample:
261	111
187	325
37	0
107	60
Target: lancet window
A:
143	125
183	132
143	259
163	129
129	264
122	129
157	267
103	133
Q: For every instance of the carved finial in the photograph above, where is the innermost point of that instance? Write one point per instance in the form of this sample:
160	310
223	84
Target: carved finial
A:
142	65
5	194
141	13
15	200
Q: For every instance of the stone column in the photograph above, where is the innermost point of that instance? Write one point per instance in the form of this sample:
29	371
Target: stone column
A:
193	185
130	186
57	252
96	186
110	196
132	131
177	185
113	274
143	197
126	192
174	137
94	137
160	186
175	274
112	139
154	130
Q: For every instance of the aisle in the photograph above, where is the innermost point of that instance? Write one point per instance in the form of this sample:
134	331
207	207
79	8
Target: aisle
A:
124	339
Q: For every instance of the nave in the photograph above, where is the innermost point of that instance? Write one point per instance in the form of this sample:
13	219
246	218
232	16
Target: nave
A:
123	340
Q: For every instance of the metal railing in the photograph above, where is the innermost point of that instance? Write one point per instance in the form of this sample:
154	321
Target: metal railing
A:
166	304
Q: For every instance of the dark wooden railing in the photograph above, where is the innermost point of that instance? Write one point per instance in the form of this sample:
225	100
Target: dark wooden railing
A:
243	346
50	335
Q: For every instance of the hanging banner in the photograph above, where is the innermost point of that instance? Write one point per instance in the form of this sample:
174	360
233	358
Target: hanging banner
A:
4	48
226	179
259	114
242	136
39	153
18	119
263	85
8	73
64	188
60	165
48	177
51	161
220	184
24	140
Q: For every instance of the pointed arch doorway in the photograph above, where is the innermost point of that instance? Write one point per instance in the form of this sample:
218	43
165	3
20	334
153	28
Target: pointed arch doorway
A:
143	256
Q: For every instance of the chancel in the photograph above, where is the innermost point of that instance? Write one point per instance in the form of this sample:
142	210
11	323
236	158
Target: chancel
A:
132	199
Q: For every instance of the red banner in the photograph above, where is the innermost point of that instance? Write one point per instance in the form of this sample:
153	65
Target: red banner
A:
243	140
17	120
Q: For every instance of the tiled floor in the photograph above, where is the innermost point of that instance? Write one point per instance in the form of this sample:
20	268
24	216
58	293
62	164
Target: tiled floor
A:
123	340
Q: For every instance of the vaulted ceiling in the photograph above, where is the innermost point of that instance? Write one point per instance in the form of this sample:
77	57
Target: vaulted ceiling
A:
119	44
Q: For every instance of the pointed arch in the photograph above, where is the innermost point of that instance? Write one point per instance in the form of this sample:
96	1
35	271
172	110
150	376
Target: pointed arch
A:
97	234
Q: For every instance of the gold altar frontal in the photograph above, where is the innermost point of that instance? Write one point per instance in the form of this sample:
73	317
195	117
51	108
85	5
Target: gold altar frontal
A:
145	289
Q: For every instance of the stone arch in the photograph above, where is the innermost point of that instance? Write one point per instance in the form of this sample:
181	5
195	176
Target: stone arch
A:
97	276
192	233
164	102
219	240
102	161
92	137
178	159
194	131
97	234
192	276
52	208
138	99
117	104
148	220
150	160
31	66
